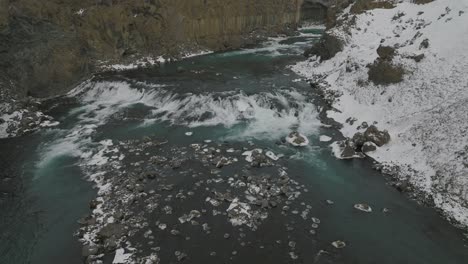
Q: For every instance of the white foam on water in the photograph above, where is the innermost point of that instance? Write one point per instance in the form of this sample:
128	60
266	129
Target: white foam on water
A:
275	46
267	115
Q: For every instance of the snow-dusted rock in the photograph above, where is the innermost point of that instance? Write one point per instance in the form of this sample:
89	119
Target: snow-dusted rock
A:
296	139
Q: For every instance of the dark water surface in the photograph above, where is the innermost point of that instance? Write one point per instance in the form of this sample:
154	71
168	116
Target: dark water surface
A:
237	96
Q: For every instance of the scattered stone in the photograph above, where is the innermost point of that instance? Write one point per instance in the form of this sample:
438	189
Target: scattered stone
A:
293	255
296	139
271	155
338	244
363	207
89	250
180	255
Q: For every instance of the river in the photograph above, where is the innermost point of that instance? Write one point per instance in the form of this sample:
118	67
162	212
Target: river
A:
238	99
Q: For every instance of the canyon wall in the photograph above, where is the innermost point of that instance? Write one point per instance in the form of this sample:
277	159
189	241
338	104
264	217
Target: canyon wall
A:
47	46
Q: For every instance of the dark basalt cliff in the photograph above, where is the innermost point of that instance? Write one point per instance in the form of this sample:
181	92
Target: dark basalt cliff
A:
47	46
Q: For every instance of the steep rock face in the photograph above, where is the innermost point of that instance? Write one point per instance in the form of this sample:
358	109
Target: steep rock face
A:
47	46
315	10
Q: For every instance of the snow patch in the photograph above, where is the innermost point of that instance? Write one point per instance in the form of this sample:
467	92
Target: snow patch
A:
426	114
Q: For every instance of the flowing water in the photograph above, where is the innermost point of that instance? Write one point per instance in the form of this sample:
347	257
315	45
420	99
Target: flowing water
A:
246	96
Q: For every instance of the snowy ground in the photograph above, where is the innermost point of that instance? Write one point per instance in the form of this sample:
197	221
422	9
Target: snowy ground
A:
427	113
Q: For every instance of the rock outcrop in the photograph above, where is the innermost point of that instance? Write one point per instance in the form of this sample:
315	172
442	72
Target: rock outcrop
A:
362	143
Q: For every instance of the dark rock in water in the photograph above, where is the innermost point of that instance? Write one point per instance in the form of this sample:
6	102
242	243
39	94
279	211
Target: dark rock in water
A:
386	52
89	250
380	138
258	159
297	139
326	48
402	186
348	151
368	147
363	207
175	164
85	221
338	244
112	230
93	204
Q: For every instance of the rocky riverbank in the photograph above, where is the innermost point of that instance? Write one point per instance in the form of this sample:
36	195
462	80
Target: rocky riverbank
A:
385	63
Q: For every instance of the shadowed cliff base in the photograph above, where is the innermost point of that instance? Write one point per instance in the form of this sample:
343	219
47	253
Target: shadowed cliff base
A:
46	47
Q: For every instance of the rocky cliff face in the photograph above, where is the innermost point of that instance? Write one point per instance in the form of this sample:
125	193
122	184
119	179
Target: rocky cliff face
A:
47	46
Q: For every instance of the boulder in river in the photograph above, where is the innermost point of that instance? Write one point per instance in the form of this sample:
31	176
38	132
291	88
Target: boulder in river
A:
89	250
363	207
297	139
338	244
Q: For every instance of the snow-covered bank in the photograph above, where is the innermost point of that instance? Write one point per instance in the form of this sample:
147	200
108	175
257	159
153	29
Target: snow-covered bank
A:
16	120
427	113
